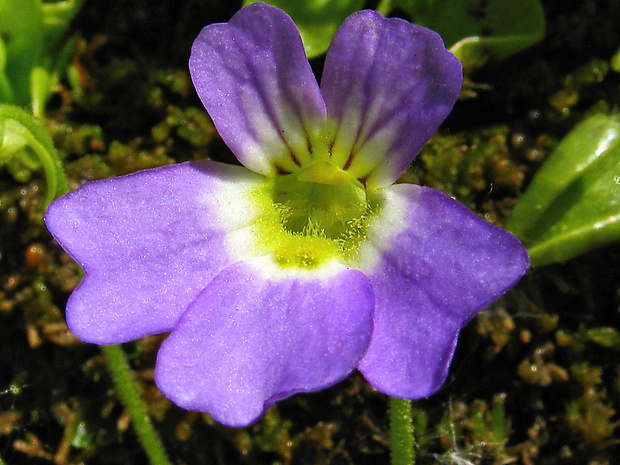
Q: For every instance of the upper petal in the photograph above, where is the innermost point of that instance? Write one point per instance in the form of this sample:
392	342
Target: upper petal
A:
253	78
149	243
254	337
433	264
388	84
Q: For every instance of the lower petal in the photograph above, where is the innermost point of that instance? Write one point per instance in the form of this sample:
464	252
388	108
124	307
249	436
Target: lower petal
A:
254	337
433	264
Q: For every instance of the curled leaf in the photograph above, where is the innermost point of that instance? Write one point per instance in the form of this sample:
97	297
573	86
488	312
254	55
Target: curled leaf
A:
22	136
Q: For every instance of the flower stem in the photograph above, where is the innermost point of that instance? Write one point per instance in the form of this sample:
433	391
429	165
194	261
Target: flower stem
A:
384	7
117	363
401	432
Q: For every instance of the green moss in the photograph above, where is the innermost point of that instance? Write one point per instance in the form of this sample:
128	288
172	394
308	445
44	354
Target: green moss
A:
592	414
476	430
127	159
467	164
591	73
192	125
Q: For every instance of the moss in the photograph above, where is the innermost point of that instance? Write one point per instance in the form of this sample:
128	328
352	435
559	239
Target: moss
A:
592	415
471	166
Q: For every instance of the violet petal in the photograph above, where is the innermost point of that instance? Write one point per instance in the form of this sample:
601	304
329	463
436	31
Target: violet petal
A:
252	338
253	78
442	266
388	84
149	243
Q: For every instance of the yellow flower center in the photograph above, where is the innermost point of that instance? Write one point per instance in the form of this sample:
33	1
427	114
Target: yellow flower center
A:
316	214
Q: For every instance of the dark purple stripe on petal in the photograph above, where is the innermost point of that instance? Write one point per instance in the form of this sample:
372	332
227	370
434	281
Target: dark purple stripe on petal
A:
253	78
388	84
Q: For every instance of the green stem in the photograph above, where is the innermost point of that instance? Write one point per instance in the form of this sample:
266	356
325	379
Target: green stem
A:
6	92
401	432
117	363
384	7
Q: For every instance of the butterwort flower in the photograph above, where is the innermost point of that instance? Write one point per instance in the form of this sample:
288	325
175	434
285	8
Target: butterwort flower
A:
287	273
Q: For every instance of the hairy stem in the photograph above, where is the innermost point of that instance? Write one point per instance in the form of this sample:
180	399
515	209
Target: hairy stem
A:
118	366
401	432
384	7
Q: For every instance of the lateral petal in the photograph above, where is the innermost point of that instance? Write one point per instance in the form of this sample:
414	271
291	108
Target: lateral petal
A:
433	265
149	243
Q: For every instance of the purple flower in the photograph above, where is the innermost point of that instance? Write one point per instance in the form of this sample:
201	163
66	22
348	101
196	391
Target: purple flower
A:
286	274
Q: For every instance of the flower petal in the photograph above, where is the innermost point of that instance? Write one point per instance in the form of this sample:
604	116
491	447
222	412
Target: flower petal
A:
253	78
442	266
254	337
149	243
388	84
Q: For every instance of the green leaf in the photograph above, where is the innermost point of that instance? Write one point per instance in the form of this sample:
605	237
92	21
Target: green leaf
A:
22	136
476	30
573	203
21	31
57	17
6	90
30	31
317	20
